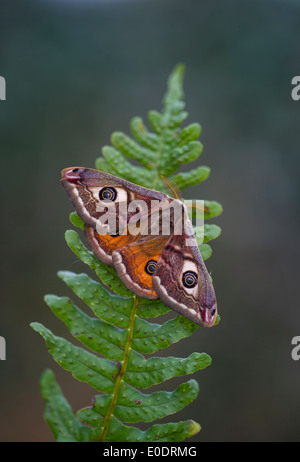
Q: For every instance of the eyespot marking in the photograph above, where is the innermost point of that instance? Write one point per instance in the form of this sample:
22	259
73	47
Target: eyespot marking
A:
107	194
150	267
189	279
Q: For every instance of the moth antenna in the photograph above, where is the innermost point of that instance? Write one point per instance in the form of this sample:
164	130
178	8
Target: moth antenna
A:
196	207
73	263
172	188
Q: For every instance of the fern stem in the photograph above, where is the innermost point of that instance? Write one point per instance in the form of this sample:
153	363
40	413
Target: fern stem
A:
156	178
122	371
159	155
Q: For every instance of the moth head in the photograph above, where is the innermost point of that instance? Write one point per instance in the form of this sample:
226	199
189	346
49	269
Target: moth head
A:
103	188
208	314
72	175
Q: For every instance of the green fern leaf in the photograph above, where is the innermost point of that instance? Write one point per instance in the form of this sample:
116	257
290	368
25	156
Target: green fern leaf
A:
162	151
119	334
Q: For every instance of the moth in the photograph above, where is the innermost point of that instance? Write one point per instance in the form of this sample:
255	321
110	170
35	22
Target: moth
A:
147	237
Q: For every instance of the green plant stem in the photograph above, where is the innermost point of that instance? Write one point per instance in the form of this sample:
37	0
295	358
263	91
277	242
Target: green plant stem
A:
157	164
122	371
130	330
159	156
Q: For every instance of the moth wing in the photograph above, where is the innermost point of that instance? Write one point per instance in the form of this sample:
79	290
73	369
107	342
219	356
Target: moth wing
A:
108	224
182	281
136	263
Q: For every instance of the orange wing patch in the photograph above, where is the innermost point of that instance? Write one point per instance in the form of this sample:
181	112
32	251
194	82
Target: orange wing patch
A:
104	245
135	264
111	243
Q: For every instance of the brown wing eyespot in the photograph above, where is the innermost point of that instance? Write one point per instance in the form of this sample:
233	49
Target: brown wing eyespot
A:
189	279
107	194
150	267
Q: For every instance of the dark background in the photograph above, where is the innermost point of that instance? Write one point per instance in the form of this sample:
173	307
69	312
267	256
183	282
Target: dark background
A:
78	70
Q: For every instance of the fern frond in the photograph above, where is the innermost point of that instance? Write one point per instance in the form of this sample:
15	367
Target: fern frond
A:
119	333
162	151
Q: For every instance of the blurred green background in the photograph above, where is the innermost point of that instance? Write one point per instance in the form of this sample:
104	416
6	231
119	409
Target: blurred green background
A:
78	70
